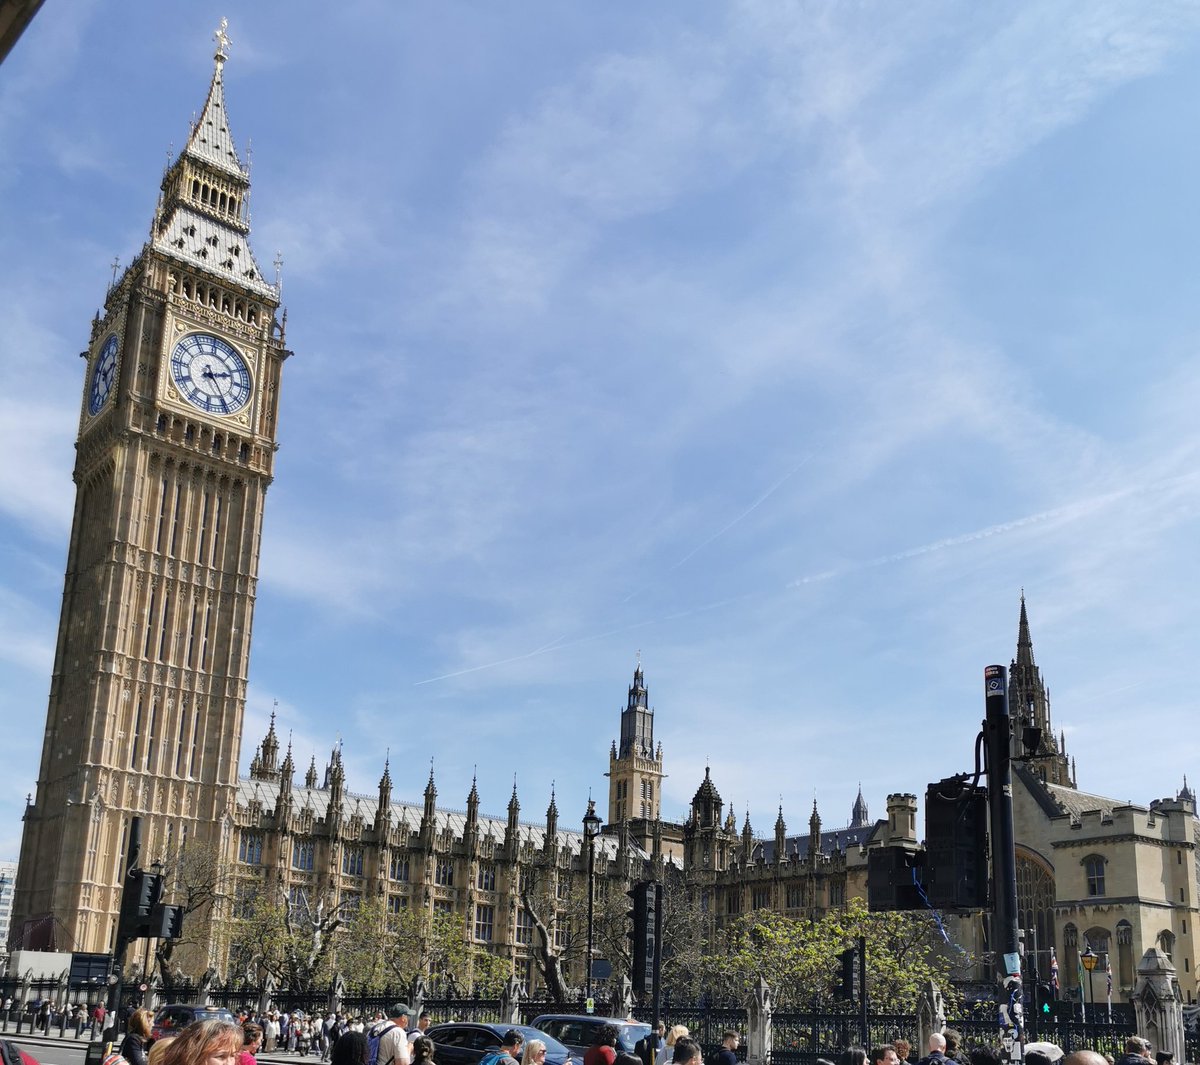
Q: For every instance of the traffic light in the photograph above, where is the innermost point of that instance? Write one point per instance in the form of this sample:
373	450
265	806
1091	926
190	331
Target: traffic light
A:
956	845
167	923
644	937
138	900
894	879
847	988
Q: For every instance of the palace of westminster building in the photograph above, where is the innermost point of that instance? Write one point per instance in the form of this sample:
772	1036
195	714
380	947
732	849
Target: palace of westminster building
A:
175	451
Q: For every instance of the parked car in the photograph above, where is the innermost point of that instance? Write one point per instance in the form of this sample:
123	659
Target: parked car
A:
170	1020
465	1042
578	1030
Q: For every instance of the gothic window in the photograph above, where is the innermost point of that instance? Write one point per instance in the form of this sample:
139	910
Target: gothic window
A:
303	855
243	900
352	861
1125	953
1166	942
153	731
525	881
443	906
397	903
760	898
485	919
1093	866
444	872
250	847
297	902
398	867
795	896
564	886
524	928
486	880
181	741
195	745
351	901
1035	906
137	734
837	893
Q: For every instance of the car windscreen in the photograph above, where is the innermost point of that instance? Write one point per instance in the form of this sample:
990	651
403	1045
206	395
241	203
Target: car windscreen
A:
629	1036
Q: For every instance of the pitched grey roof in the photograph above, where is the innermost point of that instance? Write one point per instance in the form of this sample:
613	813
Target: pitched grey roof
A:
202	242
211	140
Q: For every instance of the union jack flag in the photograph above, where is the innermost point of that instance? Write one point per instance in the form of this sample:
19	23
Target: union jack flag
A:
1054	971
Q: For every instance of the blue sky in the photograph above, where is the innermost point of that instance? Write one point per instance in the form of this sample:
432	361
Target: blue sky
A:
784	343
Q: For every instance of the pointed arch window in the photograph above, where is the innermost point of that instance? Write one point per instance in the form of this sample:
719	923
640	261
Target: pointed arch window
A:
1093	868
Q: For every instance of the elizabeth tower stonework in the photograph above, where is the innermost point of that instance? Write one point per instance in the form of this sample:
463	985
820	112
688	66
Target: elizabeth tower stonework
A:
175	451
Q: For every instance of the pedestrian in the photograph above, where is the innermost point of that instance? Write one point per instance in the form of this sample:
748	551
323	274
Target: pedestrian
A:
937	1050
853	1056
884	1055
533	1054
903	1048
650	1047
1137	1051
954	1045
392	1036
677	1032
158	1049
422	1048
603	1050
350	1049
206	1043
271	1031
137	1036
510	1049
252	1041
727	1055
686	1051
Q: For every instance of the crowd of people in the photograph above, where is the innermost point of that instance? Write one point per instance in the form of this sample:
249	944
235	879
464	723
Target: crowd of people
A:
947	1050
387	1040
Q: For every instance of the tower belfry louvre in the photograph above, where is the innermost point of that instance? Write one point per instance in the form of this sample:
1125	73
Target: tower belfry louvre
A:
175	451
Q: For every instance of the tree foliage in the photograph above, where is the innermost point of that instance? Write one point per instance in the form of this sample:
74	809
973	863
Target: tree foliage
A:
801	959
378	950
193	877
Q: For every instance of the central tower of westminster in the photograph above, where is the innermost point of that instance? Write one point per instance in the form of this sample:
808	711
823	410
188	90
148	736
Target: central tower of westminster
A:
175	451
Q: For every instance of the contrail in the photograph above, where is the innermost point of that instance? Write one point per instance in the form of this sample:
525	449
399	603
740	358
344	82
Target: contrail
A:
750	509
1069	511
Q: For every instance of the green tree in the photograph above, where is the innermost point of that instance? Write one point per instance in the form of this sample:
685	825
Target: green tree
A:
801	959
291	941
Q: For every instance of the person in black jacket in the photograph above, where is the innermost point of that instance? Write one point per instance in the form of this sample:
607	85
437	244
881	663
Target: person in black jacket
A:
137	1036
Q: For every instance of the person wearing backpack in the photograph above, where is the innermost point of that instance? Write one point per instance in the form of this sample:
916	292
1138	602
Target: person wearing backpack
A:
388	1041
510	1049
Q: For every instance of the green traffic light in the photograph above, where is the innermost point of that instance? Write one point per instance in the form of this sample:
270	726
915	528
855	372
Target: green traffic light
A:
1045	1007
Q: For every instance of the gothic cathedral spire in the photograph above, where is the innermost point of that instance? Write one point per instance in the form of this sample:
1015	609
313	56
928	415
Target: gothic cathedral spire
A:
1029	708
175	451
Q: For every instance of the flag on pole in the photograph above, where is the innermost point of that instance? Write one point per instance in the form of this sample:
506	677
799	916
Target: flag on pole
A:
1108	973
1054	972
1082	998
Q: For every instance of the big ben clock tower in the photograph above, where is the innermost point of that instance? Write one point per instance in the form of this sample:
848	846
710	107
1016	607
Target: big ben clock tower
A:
175	451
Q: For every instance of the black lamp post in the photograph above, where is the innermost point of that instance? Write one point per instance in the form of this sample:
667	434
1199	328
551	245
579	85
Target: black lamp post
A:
591	829
1088	959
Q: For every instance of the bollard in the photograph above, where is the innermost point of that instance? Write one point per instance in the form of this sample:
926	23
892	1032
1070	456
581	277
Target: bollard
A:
62	1024
20	1018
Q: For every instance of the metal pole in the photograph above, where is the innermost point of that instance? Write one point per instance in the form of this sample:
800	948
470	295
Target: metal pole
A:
591	912
656	994
115	986
864	1036
1005	936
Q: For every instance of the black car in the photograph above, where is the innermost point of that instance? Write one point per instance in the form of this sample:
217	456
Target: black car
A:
578	1030
465	1042
171	1020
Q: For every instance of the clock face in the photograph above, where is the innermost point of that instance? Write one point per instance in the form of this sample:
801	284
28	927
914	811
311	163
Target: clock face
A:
104	374
210	374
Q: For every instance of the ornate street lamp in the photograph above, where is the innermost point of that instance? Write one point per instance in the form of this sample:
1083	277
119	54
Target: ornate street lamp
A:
1088	960
591	829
